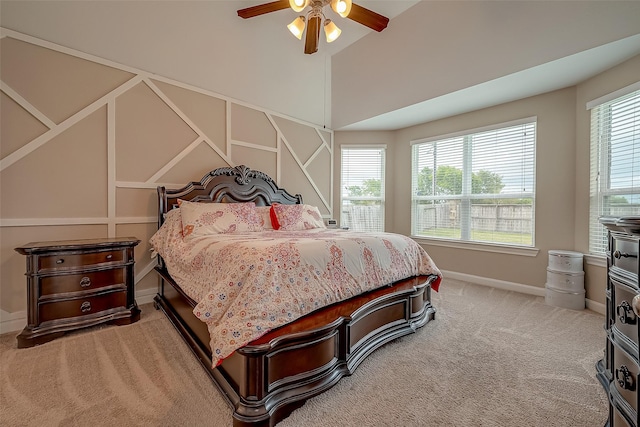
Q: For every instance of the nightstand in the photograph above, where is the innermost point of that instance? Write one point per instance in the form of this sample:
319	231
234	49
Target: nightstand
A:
74	284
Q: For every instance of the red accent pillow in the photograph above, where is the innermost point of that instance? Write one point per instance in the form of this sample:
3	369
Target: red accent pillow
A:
274	218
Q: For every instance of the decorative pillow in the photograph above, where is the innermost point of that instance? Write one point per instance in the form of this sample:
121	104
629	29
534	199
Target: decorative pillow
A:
274	219
265	213
296	217
201	219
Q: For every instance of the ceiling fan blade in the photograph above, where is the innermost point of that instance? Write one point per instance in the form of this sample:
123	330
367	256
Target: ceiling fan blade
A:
261	9
367	17
312	37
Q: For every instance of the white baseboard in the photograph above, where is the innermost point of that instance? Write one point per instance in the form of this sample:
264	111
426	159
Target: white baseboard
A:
16	321
495	283
598	307
145	296
516	287
11	322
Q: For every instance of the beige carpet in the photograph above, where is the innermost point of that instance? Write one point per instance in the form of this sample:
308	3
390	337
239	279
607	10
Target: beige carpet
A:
490	358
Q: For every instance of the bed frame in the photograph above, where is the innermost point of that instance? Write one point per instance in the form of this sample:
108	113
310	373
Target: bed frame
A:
272	376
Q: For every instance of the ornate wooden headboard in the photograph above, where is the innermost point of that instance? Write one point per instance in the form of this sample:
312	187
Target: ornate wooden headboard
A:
227	185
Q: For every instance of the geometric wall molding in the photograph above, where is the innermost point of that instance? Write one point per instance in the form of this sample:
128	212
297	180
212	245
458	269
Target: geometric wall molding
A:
112	133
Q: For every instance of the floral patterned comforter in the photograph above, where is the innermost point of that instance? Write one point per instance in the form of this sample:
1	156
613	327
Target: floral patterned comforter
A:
249	283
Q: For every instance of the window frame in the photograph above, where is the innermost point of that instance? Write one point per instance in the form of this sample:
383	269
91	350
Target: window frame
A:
600	143
382	199
466	197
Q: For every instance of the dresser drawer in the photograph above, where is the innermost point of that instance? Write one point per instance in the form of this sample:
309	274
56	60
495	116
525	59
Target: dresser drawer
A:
82	306
77	260
53	285
625	377
618	419
624	318
624	254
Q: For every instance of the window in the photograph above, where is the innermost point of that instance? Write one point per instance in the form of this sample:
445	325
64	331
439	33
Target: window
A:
362	188
476	186
615	162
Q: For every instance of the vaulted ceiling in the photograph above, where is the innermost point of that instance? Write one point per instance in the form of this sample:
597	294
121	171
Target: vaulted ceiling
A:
435	58
442	58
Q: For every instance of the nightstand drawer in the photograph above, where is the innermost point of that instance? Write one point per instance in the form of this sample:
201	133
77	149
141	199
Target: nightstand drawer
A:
51	286
82	306
75	260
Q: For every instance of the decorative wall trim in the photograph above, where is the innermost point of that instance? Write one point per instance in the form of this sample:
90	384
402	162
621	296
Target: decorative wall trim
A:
108	100
65	125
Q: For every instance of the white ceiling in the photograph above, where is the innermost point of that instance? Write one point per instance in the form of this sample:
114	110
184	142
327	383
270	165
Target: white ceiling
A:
558	74
453	57
554	75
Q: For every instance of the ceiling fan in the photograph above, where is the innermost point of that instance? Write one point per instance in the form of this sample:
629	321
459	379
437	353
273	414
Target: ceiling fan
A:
314	17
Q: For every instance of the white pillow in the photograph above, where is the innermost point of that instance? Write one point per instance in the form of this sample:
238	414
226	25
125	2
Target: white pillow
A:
296	217
265	213
201	219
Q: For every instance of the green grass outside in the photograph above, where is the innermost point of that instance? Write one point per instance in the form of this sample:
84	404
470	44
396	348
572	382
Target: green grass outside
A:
482	236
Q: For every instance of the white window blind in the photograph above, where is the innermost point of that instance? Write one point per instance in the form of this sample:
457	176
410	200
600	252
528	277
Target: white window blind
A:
615	164
476	186
362	188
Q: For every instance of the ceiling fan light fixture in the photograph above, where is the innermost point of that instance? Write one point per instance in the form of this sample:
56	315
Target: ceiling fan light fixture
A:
341	7
331	30
297	27
314	19
298	5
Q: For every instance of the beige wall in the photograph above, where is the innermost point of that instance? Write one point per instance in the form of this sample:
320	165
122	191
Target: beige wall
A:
555	185
562	181
85	143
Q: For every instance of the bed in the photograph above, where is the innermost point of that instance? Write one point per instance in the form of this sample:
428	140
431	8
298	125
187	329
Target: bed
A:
276	369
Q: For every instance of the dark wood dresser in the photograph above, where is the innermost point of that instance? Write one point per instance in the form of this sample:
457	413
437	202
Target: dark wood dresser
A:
77	283
618	370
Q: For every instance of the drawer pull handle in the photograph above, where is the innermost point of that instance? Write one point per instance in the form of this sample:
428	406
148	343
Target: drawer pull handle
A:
60	261
109	256
625	313
85	307
635	304
625	379
618	255
85	282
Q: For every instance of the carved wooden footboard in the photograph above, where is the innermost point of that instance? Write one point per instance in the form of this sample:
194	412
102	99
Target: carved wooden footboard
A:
270	377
